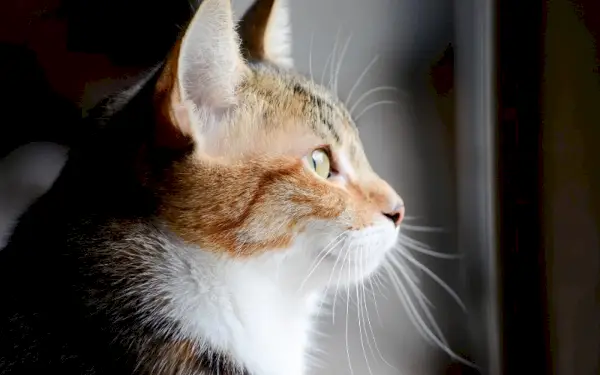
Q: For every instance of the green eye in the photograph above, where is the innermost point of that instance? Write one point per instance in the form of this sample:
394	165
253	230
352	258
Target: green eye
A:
320	163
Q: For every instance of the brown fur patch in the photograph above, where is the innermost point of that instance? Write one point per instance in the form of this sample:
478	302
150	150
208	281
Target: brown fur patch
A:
182	355
172	357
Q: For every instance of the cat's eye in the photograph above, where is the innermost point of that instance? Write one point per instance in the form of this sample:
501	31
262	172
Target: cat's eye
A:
320	163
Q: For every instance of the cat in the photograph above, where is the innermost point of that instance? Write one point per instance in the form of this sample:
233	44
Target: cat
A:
197	227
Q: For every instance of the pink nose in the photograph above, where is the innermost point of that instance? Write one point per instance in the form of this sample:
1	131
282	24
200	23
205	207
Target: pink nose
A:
397	214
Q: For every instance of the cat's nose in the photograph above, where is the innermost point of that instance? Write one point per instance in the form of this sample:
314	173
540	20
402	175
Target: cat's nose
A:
396	215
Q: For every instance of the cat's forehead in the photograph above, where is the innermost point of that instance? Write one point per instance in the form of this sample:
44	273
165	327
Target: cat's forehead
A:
287	99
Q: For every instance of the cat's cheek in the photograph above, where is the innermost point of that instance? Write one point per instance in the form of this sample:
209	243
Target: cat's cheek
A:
359	216
297	227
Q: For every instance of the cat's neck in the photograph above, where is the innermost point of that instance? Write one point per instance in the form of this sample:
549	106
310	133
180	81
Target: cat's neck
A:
246	308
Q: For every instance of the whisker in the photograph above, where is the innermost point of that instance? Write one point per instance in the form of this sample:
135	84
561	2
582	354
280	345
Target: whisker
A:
347	316
409	306
419	228
359	310
434	277
411	278
361	77
338	285
379	282
310	48
329	284
339	65
375	343
373	105
431	253
413	241
334	56
417	292
327	62
377	279
371	283
322	255
370	326
369	92
329	244
409	272
432	337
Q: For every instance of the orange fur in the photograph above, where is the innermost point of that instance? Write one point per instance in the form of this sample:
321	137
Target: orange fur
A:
173	130
238	208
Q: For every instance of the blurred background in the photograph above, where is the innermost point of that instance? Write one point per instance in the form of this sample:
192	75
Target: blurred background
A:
482	115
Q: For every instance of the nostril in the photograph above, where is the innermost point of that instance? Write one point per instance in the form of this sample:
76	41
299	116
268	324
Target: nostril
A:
396	215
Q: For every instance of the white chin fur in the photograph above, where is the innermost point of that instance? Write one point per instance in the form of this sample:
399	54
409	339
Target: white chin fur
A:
260	309
335	256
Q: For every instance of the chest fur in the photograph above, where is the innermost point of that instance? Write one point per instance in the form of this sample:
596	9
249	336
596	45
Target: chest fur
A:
244	312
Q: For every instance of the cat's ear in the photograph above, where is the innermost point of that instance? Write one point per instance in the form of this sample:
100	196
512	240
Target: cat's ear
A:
201	76
210	63
266	32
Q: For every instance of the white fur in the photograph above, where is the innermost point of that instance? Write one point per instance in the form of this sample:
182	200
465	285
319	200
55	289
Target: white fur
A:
260	310
345	165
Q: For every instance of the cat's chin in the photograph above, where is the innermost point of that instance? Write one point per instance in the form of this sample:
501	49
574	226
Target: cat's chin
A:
355	259
355	269
323	258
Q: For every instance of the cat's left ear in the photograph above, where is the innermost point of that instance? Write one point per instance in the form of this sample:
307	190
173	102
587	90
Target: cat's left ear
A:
201	77
265	31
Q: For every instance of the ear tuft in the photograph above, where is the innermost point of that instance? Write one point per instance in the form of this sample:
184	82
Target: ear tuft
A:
266	32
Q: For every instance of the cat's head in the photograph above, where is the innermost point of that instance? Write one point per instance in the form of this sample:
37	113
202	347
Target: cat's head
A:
277	176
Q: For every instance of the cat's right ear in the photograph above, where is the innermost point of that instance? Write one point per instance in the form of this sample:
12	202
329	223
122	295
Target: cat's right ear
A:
200	79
